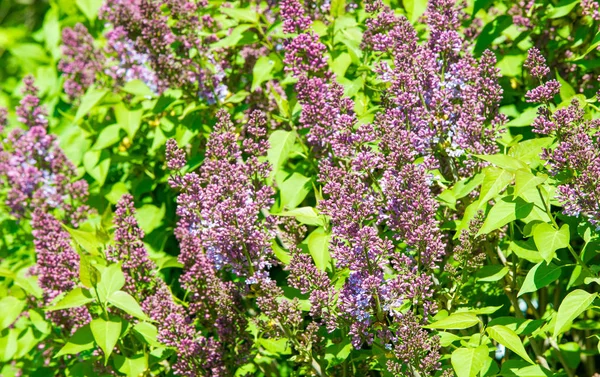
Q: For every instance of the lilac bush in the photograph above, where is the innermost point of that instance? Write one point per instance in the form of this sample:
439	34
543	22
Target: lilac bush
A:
302	188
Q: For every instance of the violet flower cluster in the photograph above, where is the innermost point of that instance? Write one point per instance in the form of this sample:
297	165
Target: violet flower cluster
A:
576	154
443	105
34	172
438	90
222	229
57	269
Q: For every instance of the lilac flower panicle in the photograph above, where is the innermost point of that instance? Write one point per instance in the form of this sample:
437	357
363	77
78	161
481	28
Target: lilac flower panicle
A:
81	61
305	54
34	170
576	153
543	93
175	156
294	19
536	64
29	112
57	269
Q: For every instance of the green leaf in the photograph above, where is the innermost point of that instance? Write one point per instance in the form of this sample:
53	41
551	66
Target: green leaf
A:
131	366
127	303
128	120
282	255
337	8
491	273
503	212
96	164
571	307
525	180
89	8
456	321
563	8
241	14
112	280
74	299
539	276
275	346
467	362
293	190
38	321
106	334
504	161
150	217
566	90
147	332
8	345
494	181
526	250
237	97
90	99
465	186
82	340
548	239
88	274
281	144
509	339
414	9
88	240
318	246
305	215
10	309
109	135
138	88
262	71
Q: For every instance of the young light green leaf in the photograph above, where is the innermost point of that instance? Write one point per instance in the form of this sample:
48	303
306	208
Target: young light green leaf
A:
305	215
89	8
525	180
281	143
262	71
509	339
147	332
548	239
82	340
106	334
529	151
504	161
128	120
563	8
318	246
571	307
494	181
503	212
90	99
293	190
491	273
467	362
456	321
108	136
131	366
112	280
127	303
74	299
10	309
538	277
414	9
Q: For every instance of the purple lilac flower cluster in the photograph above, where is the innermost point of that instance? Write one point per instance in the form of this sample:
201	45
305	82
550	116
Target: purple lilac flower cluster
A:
34	172
57	269
438	90
222	230
85	65
576	153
